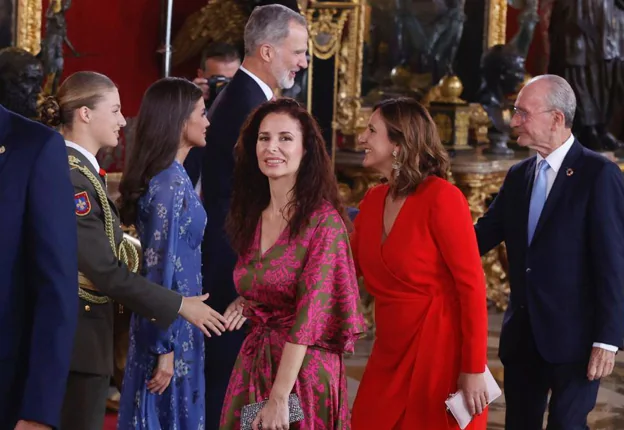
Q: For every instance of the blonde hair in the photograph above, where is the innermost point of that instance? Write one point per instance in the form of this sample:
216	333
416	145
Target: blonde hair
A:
78	90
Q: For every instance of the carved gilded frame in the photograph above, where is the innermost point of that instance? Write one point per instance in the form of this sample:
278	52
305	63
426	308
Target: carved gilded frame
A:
28	28
345	21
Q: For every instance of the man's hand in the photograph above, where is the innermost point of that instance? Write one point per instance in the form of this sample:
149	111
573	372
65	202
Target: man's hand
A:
31	425
601	363
203	84
195	311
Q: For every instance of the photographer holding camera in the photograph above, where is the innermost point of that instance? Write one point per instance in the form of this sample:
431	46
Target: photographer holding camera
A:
219	62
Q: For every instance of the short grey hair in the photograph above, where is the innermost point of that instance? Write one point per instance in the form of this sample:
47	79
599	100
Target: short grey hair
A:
560	96
269	24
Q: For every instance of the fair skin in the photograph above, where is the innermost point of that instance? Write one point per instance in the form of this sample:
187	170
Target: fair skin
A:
542	128
215	67
378	151
279	150
193	135
277	65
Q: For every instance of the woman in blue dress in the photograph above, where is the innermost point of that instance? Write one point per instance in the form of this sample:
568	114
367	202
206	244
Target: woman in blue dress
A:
163	385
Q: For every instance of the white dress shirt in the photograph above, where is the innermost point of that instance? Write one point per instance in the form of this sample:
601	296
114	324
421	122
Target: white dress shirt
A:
554	160
84	152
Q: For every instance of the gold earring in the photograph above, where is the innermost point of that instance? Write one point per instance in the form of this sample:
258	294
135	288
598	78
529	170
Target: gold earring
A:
396	166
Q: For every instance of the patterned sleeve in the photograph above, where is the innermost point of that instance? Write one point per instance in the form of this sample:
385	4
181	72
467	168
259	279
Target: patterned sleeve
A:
160	241
327	314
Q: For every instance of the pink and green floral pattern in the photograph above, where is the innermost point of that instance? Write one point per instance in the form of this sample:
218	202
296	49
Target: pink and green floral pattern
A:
302	291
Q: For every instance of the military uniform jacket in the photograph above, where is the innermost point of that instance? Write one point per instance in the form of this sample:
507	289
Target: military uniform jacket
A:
102	262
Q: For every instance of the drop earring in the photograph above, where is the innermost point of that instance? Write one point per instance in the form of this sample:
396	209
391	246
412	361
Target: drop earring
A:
396	166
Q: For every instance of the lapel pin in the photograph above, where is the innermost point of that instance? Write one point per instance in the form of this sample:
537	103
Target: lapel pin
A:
569	172
2	149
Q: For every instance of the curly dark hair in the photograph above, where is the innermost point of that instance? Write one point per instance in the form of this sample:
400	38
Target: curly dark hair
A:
167	105
315	182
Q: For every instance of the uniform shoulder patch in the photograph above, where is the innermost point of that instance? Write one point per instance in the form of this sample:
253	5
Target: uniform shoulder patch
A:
83	204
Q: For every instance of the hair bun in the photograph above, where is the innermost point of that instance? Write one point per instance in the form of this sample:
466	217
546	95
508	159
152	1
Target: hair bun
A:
50	112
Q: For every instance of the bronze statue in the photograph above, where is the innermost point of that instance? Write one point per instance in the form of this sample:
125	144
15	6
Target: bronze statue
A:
52	43
21	77
587	48
502	70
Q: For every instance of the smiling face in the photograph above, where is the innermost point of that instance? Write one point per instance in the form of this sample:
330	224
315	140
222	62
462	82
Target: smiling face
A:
280	146
106	119
194	133
290	56
377	145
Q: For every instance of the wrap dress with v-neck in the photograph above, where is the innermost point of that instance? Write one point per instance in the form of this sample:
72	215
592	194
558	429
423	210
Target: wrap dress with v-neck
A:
430	307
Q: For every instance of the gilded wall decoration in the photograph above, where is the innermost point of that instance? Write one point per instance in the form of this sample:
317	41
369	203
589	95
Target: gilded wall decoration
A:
20	24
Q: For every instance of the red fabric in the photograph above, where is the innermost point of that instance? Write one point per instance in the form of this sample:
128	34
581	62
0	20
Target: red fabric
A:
430	308
110	421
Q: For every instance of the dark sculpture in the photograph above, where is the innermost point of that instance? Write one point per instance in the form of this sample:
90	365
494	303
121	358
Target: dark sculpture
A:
21	77
52	44
502	69
587	48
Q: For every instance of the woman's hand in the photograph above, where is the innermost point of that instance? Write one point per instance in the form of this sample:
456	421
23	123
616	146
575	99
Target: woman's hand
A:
273	416
162	374
234	314
475	391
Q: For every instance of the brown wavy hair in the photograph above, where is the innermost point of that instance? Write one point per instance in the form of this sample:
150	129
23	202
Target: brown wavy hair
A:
314	184
422	154
166	107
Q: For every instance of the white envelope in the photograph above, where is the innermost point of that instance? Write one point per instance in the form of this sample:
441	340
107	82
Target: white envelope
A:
456	404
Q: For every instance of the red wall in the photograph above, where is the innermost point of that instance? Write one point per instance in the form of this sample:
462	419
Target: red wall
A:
119	38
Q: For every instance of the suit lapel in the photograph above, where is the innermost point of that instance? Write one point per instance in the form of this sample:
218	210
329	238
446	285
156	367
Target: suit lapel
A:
5	144
558	186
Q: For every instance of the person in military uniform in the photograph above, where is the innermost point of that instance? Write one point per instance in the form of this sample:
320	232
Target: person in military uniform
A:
88	111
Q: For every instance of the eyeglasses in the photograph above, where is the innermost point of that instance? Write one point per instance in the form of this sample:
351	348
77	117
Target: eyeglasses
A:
523	115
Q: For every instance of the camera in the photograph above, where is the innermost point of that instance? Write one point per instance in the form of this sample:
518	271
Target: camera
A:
216	84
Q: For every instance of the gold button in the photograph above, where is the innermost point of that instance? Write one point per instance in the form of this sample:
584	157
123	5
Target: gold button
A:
2	149
87	308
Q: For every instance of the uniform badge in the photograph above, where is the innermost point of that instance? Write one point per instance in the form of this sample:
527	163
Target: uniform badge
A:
83	205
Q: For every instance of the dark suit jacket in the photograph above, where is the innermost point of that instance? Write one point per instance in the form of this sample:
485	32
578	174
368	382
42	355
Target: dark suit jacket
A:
227	115
38	281
570	280
93	345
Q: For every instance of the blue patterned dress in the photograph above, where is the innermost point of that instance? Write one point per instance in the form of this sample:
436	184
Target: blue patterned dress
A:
171	222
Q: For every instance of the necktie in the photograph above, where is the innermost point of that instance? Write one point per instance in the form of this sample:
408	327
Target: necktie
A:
538	197
102	172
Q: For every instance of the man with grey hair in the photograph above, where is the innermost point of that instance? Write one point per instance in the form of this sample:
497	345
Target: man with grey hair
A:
276	42
561	216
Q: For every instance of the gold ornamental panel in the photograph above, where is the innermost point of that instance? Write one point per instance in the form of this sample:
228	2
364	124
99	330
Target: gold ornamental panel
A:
28	29
496	24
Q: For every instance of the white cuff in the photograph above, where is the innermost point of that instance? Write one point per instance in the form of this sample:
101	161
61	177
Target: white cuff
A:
610	348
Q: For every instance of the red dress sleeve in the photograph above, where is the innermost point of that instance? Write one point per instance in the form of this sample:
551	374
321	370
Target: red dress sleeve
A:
453	231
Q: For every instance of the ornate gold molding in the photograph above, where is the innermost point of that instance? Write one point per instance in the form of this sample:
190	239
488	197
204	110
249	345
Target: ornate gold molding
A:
496	24
28	35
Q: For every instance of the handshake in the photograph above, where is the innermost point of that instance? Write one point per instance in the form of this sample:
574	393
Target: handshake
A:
195	311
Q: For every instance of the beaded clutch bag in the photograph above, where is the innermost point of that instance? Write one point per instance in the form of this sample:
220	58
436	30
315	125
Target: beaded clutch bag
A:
249	412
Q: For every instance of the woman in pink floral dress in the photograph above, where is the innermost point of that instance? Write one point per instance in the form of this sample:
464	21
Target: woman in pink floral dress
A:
295	275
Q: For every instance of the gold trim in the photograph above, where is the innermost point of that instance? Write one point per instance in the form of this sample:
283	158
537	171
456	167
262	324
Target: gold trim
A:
28	37
496	23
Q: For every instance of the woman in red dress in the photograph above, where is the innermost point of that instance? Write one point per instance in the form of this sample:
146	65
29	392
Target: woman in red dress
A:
414	244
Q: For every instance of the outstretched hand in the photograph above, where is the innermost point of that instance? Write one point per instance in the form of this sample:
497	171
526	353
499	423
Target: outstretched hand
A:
234	314
195	311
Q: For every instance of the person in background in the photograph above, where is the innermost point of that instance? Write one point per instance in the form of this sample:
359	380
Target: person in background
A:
561	216
88	110
415	246
38	273
158	198
295	274
276	41
219	63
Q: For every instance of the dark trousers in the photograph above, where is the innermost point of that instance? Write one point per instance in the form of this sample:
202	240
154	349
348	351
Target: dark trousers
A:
221	353
84	405
528	380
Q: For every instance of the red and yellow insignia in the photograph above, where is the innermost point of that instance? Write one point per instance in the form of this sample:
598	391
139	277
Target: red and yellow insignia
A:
83	205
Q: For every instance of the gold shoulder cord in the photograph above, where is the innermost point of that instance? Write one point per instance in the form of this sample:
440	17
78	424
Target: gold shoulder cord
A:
125	248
